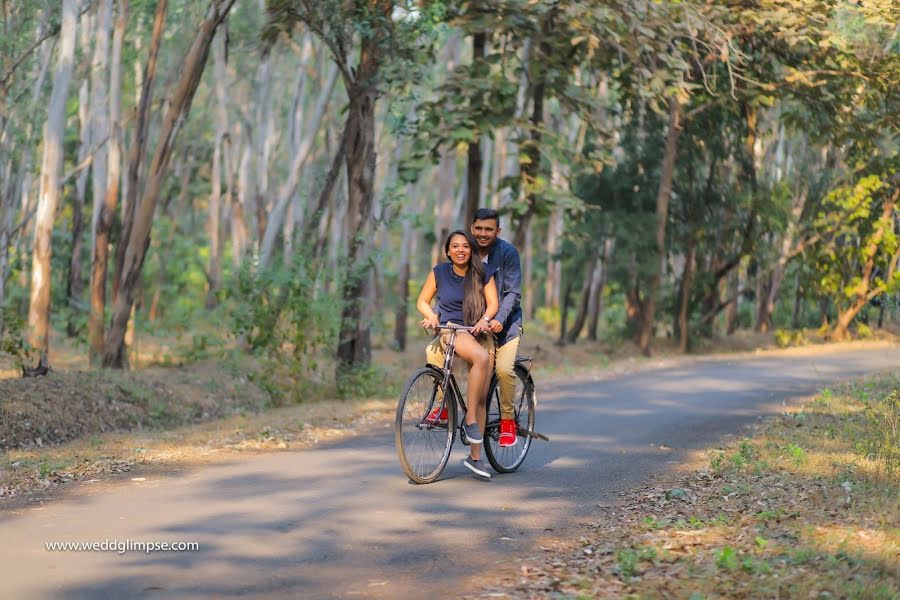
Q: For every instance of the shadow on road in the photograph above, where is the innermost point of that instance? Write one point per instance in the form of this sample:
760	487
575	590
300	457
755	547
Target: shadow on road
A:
342	520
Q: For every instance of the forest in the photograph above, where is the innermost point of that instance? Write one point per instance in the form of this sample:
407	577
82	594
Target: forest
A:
278	176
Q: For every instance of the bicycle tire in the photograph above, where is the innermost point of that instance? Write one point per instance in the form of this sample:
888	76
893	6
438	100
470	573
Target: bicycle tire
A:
423	449
507	460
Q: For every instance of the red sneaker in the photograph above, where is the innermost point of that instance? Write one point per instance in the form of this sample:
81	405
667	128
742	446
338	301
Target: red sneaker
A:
437	415
507	433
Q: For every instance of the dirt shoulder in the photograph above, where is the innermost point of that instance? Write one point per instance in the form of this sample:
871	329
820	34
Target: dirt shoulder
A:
807	506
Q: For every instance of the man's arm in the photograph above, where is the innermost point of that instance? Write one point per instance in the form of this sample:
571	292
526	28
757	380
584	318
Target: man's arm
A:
512	275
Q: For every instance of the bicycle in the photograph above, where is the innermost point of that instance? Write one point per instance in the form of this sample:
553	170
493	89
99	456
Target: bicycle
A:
424	445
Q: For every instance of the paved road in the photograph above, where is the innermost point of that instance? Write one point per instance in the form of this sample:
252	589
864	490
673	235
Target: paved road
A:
342	522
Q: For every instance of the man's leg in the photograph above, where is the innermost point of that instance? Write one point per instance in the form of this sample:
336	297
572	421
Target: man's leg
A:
504	366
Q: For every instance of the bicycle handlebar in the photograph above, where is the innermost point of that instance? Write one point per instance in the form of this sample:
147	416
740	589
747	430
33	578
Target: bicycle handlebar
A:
455	327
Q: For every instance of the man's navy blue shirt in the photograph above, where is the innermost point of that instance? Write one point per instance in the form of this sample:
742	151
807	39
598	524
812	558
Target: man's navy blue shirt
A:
503	262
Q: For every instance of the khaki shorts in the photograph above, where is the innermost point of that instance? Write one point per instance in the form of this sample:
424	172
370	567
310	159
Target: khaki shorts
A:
436	350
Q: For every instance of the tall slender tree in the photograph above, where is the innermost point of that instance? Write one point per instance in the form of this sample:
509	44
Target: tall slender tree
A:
139	235
48	198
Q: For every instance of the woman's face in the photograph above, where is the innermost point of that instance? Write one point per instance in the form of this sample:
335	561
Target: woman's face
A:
460	251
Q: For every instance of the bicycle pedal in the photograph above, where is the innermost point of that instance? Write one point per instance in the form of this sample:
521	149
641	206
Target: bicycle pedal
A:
522	432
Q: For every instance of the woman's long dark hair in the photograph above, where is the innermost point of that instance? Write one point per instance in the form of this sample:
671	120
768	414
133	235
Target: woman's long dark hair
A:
474	301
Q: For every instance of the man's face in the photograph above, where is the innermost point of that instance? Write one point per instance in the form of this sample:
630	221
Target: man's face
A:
485	232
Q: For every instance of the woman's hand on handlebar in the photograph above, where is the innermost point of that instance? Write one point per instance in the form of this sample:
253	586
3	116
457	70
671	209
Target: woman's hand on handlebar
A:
430	322
480	327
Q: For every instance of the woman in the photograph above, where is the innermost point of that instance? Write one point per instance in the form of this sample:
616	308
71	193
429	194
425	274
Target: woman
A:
466	295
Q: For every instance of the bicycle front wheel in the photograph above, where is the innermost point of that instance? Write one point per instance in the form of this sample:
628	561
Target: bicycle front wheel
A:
423	443
508	459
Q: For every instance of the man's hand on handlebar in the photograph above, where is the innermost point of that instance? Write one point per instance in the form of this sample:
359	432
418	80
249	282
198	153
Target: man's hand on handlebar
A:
496	326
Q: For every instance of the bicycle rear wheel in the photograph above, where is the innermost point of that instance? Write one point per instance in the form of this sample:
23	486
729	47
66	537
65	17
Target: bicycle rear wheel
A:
510	458
424	447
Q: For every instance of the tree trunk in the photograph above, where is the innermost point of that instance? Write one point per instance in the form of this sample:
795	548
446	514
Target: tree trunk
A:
564	312
475	162
597	303
645	337
183	171
554	232
445	203
354	346
731	312
317	224
286	192
798	297
48	199
403	287
138	145
787	251
498	163
106	214
214	220
587	287
4	269
213	226
508	161
531	168
192	69
240	234
74	285
265	141
864	291
7	211
528	276
99	106
684	296
761	288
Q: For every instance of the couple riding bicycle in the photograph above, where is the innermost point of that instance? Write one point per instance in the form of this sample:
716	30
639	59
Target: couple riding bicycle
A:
477	316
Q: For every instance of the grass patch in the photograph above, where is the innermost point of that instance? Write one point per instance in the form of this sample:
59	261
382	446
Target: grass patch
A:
808	507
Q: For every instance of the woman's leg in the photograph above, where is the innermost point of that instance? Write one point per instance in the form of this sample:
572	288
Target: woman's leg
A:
480	366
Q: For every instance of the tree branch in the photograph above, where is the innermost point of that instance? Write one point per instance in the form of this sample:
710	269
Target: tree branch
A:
37	44
87	162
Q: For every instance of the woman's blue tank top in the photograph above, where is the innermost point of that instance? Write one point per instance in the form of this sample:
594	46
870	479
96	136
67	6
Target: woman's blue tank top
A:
450	292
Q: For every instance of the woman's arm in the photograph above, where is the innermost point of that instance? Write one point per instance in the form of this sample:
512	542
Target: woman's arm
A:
492	304
423	304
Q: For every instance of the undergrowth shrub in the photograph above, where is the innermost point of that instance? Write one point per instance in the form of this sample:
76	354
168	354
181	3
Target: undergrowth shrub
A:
286	314
13	341
882	439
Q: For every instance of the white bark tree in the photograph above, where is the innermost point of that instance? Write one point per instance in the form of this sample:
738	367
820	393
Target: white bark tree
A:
48	198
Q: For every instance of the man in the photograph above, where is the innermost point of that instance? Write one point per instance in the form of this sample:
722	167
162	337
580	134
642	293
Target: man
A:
502	258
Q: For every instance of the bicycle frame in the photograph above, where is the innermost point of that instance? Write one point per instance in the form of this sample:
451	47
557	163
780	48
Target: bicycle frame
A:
449	381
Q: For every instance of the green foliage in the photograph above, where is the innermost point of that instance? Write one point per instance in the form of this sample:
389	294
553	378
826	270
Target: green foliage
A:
13	341
851	221
785	338
629	560
882	440
367	382
727	558
864	332
796	453
286	314
549	318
